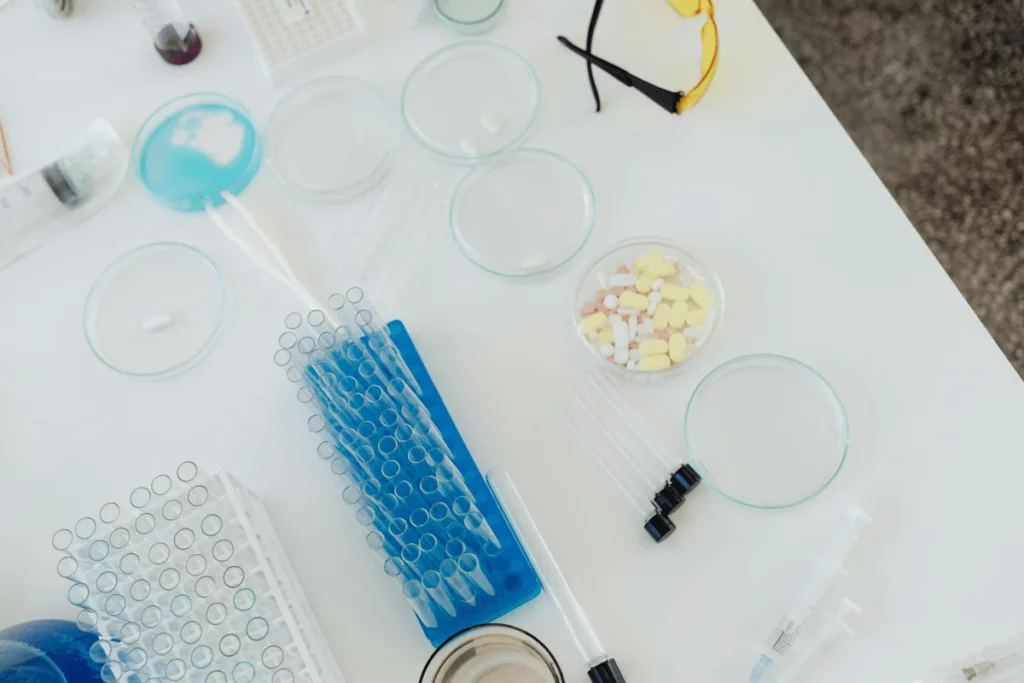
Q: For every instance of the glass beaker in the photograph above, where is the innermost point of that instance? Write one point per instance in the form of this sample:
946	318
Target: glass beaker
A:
492	653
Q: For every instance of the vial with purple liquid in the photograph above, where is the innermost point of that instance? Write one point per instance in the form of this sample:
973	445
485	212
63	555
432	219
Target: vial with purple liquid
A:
174	37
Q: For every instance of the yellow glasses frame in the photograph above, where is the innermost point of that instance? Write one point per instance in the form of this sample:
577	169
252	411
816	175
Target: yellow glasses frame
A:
675	102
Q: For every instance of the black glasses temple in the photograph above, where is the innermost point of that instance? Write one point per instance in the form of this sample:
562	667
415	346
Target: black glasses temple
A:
666	99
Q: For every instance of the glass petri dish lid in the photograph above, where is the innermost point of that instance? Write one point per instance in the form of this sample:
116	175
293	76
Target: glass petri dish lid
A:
766	431
685	294
195	147
471	100
469	16
156	310
333	138
526	213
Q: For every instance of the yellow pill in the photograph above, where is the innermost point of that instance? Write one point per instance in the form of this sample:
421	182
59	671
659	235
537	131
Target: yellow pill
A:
697	316
653	347
593	322
647	259
677	348
644	282
606	336
652	363
670	291
633	300
701	296
677	318
661	268
661	316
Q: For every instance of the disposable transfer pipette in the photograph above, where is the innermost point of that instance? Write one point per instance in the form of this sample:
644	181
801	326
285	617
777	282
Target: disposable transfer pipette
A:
814	644
602	668
786	633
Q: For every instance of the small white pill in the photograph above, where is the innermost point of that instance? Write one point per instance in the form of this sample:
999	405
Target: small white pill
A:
611	301
632	327
635	354
490	124
614	319
621	356
697	332
467	146
656	285
655	297
652	308
622	280
156	323
630	364
621	335
607	350
648	326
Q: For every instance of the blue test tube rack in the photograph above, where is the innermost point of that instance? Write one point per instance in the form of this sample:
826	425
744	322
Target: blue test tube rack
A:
411	481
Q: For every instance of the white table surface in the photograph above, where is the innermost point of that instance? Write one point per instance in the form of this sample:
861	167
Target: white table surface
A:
817	260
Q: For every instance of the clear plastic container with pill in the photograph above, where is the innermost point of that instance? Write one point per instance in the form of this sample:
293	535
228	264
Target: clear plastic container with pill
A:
646	307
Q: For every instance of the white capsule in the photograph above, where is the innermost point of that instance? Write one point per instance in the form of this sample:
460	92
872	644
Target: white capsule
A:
621	356
632	328
611	301
652	308
654	297
648	325
490	124
614	318
698	332
656	285
621	335
628	311
622	280
606	350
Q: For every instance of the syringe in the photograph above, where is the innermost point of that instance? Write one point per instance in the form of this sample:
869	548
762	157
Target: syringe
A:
815	644
786	633
1003	663
602	668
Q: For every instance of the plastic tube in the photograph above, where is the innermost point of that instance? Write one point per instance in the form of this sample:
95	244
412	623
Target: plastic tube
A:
438	591
418	598
454	578
551	577
469	564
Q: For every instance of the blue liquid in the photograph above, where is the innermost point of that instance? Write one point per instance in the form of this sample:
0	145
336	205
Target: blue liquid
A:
198	152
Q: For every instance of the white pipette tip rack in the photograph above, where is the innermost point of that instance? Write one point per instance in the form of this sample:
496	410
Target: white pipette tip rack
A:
190	583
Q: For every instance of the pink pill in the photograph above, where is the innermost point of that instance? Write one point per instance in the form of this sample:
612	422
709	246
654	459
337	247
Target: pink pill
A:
662	334
618	291
589	309
623	269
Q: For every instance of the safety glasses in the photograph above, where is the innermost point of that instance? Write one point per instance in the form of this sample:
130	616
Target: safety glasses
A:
675	102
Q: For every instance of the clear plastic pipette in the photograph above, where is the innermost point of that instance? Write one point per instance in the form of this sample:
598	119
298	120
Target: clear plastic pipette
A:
816	643
829	565
602	668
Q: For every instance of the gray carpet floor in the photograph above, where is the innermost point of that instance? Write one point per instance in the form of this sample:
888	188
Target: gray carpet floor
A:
932	91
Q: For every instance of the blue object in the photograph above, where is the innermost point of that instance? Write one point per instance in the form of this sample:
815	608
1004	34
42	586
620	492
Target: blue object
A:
195	147
340	381
49	651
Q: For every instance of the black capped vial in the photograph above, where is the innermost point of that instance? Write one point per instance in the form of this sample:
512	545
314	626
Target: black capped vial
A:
174	37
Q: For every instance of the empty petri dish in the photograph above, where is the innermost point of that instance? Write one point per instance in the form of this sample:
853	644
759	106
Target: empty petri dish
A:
526	213
156	310
471	101
492	652
195	147
469	16
333	138
766	431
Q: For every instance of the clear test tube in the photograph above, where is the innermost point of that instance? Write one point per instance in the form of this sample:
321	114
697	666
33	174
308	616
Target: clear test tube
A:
414	559
438	591
396	569
419	599
408	497
450	480
634	487
430	489
431	549
457	582
469	564
477	526
382	545
378	398
601	666
665	497
377	337
682	477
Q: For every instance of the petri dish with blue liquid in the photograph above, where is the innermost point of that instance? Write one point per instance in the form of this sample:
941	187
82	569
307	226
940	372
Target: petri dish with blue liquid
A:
196	147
